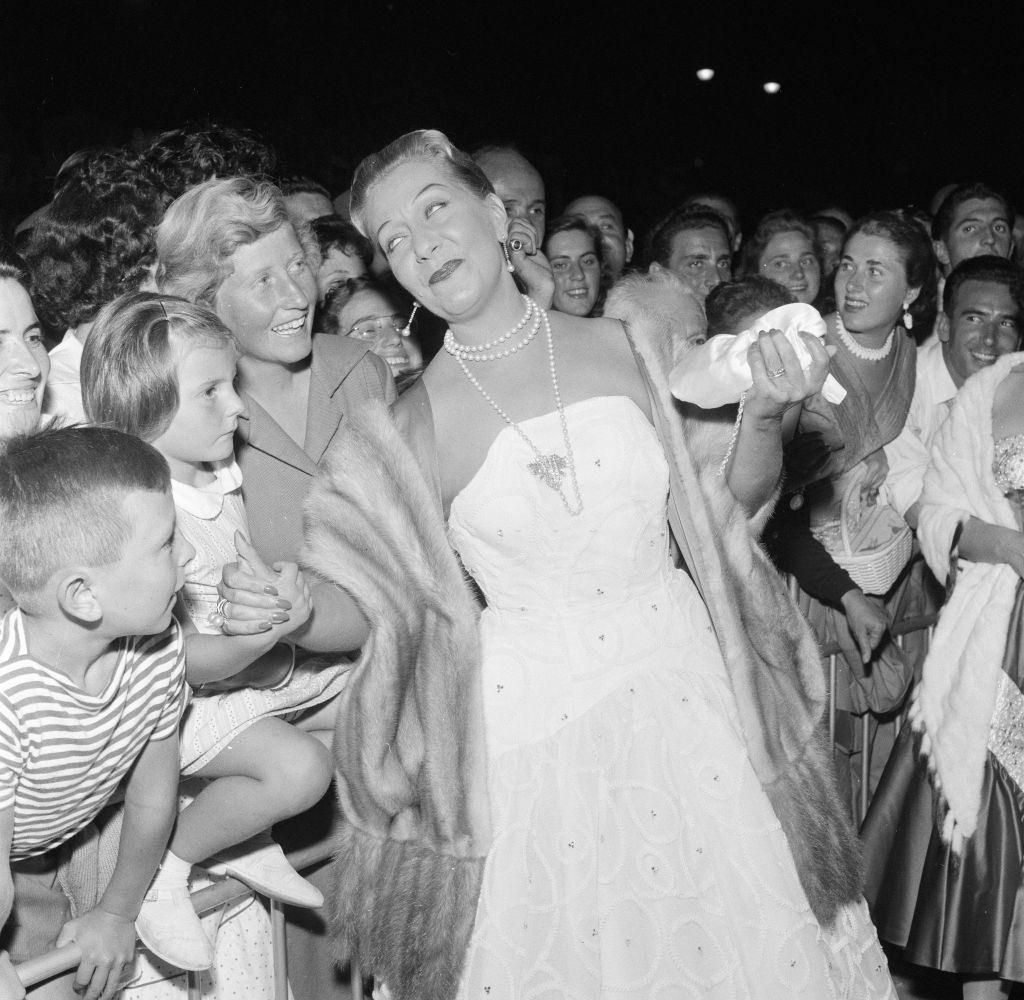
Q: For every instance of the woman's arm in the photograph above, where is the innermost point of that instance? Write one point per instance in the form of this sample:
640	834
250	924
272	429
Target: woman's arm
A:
778	382
335	623
991	543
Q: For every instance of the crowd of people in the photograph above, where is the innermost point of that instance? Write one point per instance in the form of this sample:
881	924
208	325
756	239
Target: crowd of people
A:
526	535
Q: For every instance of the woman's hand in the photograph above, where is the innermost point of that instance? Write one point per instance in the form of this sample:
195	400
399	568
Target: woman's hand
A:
251	601
876	467
530	264
867	619
779	381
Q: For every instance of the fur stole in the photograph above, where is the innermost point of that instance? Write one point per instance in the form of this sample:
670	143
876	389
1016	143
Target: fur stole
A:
408	745
773	662
955	702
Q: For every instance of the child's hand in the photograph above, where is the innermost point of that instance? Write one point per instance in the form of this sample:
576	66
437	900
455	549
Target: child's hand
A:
107	942
292	587
10	984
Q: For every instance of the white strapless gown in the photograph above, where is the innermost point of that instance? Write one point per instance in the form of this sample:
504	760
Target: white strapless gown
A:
635	853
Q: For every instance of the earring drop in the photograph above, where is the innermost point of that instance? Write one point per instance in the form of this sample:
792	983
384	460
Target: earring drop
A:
908	320
508	260
407	329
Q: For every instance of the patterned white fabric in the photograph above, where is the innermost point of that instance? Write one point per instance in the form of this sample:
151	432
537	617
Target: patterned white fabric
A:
209	519
635	852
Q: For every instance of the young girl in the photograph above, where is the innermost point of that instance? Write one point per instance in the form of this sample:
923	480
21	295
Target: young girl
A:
163	369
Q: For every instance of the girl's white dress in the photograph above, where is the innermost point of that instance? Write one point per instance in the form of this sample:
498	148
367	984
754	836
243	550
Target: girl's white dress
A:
209	518
635	852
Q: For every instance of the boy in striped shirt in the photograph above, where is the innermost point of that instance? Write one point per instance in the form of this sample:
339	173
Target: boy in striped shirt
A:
92	687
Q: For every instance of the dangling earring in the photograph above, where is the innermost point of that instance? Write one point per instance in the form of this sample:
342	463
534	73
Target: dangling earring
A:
508	260
908	320
407	329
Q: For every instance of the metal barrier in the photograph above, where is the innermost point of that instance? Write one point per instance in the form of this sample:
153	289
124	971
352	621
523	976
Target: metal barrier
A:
62	960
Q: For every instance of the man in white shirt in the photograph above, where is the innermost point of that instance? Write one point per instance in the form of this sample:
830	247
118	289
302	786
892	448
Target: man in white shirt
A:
982	313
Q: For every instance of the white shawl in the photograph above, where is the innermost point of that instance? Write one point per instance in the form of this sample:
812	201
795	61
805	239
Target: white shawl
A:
955	702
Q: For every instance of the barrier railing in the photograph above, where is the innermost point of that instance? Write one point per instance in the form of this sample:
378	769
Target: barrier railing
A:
62	960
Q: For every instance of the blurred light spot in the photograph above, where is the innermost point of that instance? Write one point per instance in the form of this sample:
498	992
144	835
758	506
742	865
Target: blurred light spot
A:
705	74
771	87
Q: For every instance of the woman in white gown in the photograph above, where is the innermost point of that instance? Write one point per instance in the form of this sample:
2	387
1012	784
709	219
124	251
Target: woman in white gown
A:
560	803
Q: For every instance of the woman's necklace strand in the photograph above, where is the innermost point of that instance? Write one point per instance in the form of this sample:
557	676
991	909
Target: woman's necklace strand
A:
478	352
858	350
549	469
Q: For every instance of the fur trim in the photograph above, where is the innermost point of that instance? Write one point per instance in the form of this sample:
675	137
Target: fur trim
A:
413	947
772	658
408	744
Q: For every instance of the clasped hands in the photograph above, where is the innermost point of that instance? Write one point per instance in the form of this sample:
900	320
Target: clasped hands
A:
778	379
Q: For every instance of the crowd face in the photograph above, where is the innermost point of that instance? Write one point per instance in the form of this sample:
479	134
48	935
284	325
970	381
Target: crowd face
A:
577	272
789	260
335	269
701	259
371	318
616	239
267	301
984	324
979	226
440	239
24	363
519	187
203	427
830	242
871	285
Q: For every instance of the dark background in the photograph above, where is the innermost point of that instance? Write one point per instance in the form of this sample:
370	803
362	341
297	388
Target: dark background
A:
880	104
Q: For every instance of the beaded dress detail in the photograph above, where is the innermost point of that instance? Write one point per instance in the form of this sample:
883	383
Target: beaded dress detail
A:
635	854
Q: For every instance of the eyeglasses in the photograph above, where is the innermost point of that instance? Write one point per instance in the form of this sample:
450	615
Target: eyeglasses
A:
781	266
373	326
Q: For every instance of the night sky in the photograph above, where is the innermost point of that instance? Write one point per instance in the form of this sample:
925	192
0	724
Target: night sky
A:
880	103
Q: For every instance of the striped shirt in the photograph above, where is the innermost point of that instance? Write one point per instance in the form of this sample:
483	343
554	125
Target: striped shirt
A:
64	751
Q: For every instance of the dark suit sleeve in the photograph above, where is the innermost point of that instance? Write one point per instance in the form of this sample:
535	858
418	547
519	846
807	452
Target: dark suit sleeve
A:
794	550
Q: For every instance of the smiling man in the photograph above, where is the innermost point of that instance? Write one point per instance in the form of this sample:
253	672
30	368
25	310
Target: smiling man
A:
982	313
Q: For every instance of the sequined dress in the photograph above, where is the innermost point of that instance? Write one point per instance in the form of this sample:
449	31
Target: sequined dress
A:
635	853
962	913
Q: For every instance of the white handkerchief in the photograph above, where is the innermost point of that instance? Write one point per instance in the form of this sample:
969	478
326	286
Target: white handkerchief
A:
717	372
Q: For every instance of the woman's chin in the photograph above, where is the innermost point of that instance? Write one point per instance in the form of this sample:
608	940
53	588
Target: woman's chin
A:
18	420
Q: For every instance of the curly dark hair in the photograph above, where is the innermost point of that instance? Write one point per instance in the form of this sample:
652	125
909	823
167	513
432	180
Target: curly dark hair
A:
87	248
187	156
335	233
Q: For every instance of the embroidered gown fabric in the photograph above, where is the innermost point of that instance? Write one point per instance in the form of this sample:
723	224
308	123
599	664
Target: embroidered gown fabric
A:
960	914
635	853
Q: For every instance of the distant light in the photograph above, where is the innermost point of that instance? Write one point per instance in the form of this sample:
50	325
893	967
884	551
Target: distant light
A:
771	87
705	75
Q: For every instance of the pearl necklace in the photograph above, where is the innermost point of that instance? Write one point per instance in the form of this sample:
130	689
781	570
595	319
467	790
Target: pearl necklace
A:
549	469
858	350
479	352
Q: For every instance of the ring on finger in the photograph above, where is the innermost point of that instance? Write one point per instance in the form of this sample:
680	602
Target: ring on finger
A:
516	244
777	372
